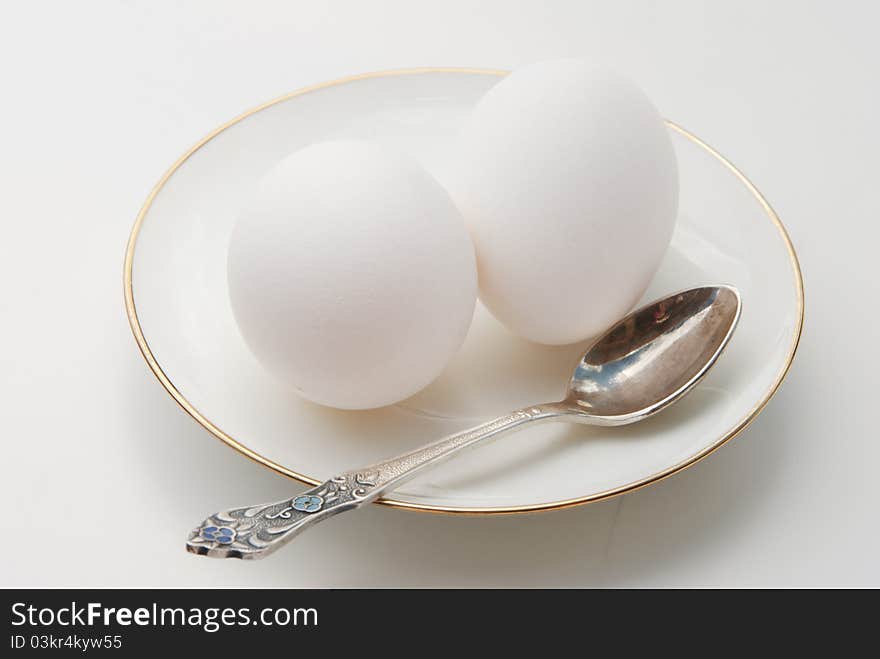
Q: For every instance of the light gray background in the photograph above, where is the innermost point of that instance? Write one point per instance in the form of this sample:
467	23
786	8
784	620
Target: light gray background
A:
102	474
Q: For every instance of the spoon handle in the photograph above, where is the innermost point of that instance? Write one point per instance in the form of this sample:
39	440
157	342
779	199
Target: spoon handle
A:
256	531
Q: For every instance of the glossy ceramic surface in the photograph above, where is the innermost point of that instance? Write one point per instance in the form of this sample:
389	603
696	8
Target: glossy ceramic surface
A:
179	309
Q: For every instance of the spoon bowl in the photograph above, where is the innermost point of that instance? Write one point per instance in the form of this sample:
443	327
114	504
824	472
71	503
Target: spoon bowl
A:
653	357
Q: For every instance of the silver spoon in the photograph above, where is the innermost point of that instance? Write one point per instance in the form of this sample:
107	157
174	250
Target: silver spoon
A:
646	362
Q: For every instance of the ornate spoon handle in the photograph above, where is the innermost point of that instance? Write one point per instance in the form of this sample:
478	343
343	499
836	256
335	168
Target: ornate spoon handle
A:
257	531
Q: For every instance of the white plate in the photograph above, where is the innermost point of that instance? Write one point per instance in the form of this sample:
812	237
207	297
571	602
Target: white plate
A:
178	307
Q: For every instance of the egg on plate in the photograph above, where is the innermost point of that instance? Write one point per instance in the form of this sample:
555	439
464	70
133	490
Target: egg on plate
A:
568	183
351	274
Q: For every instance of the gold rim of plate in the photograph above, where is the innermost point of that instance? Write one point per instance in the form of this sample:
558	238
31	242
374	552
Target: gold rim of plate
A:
553	505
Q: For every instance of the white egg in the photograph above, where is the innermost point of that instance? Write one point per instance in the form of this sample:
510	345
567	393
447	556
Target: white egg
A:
351	275
568	182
